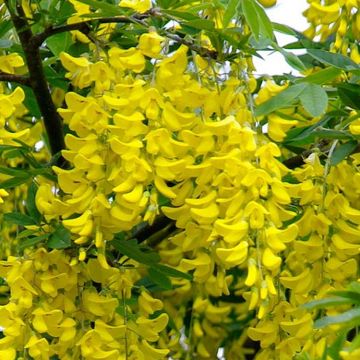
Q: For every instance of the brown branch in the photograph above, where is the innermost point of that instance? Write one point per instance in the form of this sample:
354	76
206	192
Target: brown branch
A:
296	161
37	80
85	27
23	80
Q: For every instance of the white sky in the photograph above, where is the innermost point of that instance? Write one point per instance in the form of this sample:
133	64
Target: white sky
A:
287	12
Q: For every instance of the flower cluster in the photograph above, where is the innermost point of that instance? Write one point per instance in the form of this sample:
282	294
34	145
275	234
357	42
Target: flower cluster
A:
55	309
156	129
338	18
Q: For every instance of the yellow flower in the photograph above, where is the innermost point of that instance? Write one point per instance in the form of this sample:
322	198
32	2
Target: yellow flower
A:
8	63
269	260
233	256
79	69
279	126
94	347
3	193
202	265
53	323
148	304
299	328
266	332
99	305
129	59
140	6
12	324
151	353
38	348
149	329
256	214
8	354
150	44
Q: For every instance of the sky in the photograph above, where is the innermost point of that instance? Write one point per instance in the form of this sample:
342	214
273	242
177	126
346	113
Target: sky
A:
287	12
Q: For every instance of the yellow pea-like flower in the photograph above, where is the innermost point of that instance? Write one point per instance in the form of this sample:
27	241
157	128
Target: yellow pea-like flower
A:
148	304
78	222
256	213
253	273
202	201
140	6
233	256
198	331
269	260
231	232
150	44
152	353
163	188
299	328
300	283
205	215
135	194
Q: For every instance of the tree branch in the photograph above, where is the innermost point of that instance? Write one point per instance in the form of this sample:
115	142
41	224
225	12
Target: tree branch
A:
85	27
37	80
23	80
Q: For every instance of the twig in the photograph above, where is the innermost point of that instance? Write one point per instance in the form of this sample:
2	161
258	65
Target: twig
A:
85	27
37	80
23	80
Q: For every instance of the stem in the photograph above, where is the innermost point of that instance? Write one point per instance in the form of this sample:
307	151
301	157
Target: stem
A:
23	80
37	80
85	27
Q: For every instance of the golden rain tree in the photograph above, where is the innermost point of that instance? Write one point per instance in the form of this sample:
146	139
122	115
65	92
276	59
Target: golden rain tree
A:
160	198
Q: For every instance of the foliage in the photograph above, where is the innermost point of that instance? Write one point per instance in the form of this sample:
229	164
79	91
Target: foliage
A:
160	198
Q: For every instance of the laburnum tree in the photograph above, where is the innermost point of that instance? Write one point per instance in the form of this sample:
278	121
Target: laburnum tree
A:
163	199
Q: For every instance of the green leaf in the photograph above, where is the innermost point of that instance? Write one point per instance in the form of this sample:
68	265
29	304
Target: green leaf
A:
314	99
18	219
287	30
257	20
32	241
181	14
292	59
61	13
350	317
13	182
30	203
7	147
324	303
322	76
25	233
55	79
30	102
106	8
355	343
350	95
283	99
230	12
334	350
201	24
169	271
166	3
353	296
308	137
59	42
132	249
337	60
341	152
159	278
60	238
14	172
5	26
354	286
